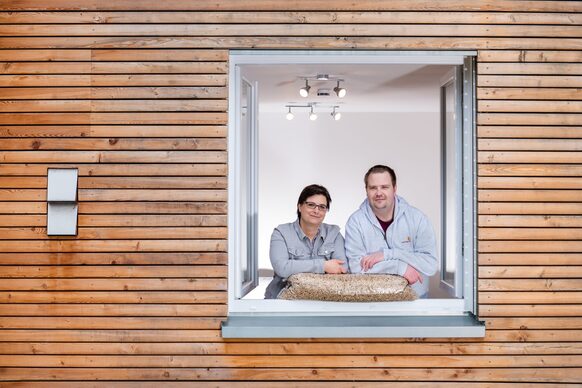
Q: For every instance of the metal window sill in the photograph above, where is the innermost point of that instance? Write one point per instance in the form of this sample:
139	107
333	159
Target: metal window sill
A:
253	326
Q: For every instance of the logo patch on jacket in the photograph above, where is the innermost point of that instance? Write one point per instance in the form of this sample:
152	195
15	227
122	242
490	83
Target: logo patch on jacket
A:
407	239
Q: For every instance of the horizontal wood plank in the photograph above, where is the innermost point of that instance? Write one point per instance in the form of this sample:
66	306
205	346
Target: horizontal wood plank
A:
116	285
115	131
177	233
103	55
151	195
298	5
109	93
113	335
529	119
17	106
529	221
529	183
529	94
548	132
160	323
530	144
405	377
530	259
529	56
112	169
294	42
113	157
115	271
530	233
511	285
529	195
123	182
168	144
120	295
288	30
530	208
319	17
132	258
529	170
530	68
539	297
111	67
533	310
535	81
114	118
120	220
122	80
113	246
339	361
113	310
530	246
529	106
121	208
299	348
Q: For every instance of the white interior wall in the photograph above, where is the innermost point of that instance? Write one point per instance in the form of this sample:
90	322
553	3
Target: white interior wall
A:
337	154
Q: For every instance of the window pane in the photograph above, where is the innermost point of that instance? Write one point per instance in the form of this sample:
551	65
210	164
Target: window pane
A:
248	226
450	253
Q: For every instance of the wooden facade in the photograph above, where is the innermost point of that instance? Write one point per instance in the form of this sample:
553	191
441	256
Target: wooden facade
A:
134	94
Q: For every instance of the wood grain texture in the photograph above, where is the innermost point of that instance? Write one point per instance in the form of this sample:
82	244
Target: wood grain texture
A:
299	5
135	95
294	42
292	17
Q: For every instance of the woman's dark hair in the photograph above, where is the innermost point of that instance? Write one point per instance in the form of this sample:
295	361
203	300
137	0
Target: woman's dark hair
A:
312	190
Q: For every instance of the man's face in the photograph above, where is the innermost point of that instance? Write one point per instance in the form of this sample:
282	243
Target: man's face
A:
380	191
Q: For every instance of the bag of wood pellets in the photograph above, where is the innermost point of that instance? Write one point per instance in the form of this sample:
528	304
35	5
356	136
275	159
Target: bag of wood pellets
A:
348	288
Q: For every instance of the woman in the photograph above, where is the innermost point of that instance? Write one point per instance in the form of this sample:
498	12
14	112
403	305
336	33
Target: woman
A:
306	245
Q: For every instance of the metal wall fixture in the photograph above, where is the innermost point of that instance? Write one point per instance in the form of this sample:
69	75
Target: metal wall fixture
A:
62	207
312	106
338	90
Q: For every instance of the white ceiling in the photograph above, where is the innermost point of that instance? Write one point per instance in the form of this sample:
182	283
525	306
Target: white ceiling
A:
371	88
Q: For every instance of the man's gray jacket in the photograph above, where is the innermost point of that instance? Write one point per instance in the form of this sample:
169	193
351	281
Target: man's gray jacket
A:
408	240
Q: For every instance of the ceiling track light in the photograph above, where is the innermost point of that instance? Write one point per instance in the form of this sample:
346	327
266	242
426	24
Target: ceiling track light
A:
290	115
323	77
304	91
341	92
311	106
336	115
312	115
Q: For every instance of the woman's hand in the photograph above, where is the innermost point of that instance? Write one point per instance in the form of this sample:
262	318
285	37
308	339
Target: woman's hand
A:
334	266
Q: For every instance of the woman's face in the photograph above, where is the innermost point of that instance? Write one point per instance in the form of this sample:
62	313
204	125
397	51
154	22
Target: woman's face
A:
313	210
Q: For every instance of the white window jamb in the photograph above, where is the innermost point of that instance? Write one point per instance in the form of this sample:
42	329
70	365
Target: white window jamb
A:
237	212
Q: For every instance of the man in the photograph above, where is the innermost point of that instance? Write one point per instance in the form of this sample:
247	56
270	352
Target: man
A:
387	235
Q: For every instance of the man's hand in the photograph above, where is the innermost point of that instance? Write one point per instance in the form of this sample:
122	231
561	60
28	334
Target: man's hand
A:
412	275
369	261
334	266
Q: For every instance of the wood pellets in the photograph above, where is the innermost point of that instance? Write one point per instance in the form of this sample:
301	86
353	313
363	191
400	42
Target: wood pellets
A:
348	288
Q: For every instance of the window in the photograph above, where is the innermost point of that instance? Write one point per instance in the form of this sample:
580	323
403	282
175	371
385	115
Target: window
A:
272	159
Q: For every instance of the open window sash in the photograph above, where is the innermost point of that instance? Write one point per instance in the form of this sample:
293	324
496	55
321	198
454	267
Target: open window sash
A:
451	270
247	277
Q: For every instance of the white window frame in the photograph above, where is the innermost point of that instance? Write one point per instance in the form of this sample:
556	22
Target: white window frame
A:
238	306
451	183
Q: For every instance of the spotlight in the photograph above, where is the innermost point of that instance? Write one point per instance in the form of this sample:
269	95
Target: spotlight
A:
312	115
336	115
304	91
290	115
341	92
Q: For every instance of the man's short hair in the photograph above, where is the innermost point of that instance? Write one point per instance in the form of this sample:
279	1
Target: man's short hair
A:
310	190
379	169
